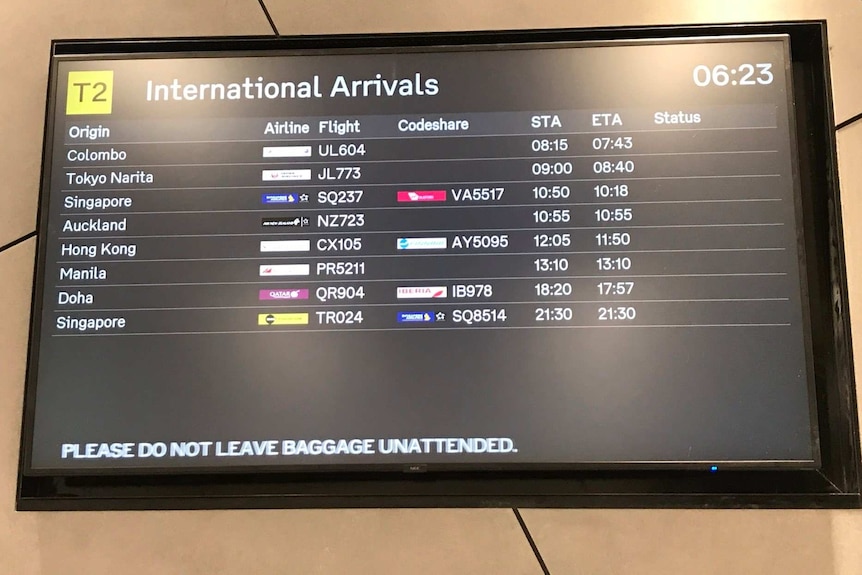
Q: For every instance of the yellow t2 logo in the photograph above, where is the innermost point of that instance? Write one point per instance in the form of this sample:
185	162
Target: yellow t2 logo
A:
89	92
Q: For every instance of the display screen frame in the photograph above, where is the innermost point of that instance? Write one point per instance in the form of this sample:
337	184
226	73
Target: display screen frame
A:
835	483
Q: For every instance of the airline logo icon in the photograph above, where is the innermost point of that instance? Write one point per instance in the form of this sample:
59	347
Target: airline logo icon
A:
282	319
279	198
285	270
421	243
422	292
285	175
287	152
416	317
279	294
285	222
285	246
422	196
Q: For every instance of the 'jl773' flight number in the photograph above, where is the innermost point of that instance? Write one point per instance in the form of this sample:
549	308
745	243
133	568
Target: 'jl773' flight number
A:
340	173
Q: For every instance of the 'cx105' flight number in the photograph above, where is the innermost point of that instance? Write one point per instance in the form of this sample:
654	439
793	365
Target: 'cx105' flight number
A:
339	244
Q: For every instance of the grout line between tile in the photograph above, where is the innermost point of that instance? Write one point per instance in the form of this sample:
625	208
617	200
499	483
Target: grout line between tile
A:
268	17
531	541
14	243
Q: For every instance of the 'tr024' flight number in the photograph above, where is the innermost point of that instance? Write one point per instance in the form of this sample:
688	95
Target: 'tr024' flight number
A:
341	317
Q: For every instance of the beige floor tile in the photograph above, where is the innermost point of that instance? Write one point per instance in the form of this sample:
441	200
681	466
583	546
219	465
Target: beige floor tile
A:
28	28
847	541
683	542
377	542
18	538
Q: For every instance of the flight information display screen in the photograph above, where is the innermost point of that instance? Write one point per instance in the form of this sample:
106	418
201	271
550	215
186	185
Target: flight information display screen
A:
495	256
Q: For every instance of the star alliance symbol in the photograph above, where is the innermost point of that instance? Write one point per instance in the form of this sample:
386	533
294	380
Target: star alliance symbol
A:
303	197
441	316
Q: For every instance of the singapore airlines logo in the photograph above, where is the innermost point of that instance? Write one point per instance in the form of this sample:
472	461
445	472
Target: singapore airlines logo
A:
90	92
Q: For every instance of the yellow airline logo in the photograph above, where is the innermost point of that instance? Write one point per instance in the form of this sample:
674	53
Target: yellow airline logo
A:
282	319
89	92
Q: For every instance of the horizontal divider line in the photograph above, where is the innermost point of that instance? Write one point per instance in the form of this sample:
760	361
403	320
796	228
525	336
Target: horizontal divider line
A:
277	305
402	185
409	233
418	205
425	136
298	162
415	280
269	329
309	256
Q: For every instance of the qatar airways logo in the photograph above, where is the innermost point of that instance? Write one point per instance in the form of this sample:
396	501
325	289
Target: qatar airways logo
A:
270	294
421	292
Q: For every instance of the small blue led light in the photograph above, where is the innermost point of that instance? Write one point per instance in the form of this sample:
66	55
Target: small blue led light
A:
713	469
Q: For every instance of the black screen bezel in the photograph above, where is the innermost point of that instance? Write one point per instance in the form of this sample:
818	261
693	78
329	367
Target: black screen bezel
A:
836	483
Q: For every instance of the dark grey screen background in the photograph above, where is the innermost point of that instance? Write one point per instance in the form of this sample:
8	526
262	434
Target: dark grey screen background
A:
579	396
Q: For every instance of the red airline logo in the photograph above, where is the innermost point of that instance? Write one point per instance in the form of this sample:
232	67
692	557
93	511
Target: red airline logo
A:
421	292
422	196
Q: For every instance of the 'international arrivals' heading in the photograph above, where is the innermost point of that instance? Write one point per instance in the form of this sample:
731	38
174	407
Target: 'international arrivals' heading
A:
260	89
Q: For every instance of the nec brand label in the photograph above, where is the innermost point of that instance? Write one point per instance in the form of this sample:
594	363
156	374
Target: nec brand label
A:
90	92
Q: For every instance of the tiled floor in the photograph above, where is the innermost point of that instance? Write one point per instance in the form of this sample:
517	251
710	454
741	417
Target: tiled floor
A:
594	542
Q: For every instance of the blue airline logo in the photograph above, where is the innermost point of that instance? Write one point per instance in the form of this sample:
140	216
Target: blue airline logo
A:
280	198
416	317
